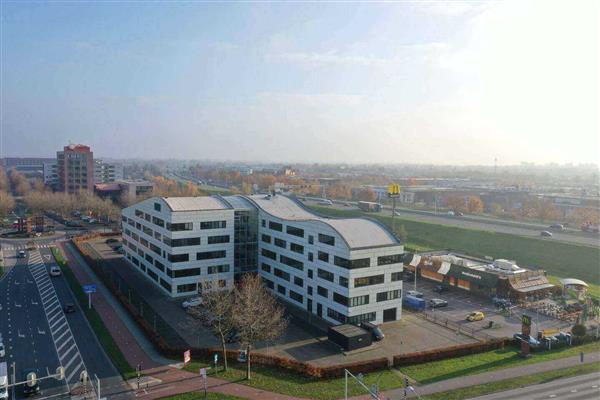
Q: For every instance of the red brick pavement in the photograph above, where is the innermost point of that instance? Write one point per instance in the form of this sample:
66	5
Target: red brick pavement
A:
173	380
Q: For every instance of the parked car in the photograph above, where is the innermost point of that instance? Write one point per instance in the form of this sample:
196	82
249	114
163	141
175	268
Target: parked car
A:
232	337
326	202
111	240
193	302
2	350
501	303
475	316
21	254
440	289
558	227
458	214
30	390
374	329
415	293
69	308
546	234
347	205
92	220
55	270
436	303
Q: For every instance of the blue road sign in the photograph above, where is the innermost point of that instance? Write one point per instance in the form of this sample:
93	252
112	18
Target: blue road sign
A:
89	288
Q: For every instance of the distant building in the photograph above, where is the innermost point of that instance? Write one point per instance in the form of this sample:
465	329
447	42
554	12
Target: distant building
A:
286	171
128	190
105	172
75	169
51	174
30	167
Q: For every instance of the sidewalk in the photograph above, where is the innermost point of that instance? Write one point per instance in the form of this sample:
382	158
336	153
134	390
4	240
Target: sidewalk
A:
492	376
168	380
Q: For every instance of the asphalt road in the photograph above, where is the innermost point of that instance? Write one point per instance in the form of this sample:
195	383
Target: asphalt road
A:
580	387
38	334
468	222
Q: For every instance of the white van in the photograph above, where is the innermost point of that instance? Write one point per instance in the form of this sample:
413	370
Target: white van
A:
3	380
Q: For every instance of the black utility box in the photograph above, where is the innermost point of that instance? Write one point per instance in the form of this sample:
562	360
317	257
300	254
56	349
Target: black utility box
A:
349	337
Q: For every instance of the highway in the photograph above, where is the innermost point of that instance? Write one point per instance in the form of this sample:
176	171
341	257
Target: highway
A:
38	334
581	387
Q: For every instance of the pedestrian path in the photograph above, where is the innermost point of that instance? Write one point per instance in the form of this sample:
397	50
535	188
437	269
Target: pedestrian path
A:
26	247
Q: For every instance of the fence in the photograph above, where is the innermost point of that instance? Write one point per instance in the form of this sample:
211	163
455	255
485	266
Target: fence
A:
470	331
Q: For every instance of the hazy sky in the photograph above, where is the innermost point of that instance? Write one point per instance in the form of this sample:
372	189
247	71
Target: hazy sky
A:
416	82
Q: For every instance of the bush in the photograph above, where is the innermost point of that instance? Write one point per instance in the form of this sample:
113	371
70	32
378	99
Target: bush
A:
578	330
447	352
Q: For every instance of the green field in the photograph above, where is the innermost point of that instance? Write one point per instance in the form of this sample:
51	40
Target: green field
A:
489	361
558	258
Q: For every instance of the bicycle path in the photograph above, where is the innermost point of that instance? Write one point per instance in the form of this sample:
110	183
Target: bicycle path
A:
492	376
161	376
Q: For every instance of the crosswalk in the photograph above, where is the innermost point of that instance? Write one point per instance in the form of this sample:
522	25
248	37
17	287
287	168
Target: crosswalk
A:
64	342
25	247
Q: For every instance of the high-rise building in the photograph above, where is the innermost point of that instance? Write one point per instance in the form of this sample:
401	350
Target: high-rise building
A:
340	270
75	168
105	172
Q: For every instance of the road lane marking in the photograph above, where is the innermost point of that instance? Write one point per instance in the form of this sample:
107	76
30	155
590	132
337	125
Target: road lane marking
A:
61	336
67	353
75	370
71	361
63	345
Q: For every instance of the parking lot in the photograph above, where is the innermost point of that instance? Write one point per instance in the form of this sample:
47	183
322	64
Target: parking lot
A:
412	333
461	303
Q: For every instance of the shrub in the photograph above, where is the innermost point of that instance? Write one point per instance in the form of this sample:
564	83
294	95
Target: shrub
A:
447	352
578	330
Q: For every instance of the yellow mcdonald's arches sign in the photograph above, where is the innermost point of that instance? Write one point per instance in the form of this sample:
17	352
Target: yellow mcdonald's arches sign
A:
393	189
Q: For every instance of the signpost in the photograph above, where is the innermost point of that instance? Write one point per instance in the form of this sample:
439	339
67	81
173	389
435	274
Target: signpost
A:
526	332
89	289
393	193
203	375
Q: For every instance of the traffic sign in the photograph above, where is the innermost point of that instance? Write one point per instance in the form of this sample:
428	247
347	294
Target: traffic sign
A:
89	288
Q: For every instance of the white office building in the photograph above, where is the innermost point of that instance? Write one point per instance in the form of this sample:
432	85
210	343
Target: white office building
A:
341	270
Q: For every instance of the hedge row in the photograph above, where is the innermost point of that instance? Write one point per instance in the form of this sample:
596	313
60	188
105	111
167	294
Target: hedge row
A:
447	352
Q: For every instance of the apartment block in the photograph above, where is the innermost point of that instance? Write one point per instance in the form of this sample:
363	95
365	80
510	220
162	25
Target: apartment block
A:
105	172
340	270
75	168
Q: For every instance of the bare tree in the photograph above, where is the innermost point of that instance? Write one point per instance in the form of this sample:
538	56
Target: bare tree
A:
217	309
7	203
256	315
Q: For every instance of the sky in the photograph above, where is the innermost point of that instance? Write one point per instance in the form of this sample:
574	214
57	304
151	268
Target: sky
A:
460	82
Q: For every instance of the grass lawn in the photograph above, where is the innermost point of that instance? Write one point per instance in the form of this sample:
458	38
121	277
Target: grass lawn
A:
200	395
281	381
558	258
513	383
103	335
484	362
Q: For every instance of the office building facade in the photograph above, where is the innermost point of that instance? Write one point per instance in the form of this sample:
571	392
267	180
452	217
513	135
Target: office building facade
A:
75	169
340	270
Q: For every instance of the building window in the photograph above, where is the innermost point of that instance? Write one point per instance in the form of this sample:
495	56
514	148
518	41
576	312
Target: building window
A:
266	238
188	287
149	259
222	283
263	223
392	259
321	255
213	224
165	285
310	257
158	221
310	290
338	298
181	242
368	280
265	267
276	226
331	313
296	296
351	264
310	273
182	226
359	301
298	281
210	255
218	239
269	254
396	276
281	289
177	258
279	243
326	239
152	274
321	291
343	281
391	295
269	283
157	207
292	230
311	239
291	262
296	248
281	274
159	265
182	273
328	276
147	217
218	269
357	319
157	236
139	213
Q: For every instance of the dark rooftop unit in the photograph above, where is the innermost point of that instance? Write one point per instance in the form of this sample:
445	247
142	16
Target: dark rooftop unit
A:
349	337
